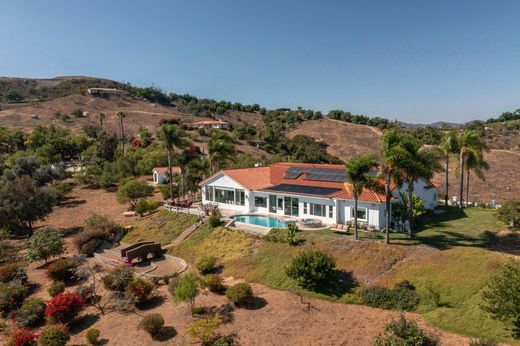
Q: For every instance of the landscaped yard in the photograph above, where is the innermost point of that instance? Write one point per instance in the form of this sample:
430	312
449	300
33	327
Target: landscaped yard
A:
162	227
451	254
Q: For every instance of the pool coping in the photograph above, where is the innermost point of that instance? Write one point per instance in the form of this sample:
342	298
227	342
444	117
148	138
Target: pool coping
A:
263	230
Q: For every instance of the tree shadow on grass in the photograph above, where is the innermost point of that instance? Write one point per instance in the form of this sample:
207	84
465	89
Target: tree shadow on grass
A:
344	282
255	303
82	323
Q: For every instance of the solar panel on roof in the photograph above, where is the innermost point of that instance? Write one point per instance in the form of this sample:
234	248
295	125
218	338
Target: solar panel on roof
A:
302	189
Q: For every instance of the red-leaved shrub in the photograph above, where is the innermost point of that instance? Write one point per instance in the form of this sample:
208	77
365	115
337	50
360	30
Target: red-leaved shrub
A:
22	337
64	307
62	270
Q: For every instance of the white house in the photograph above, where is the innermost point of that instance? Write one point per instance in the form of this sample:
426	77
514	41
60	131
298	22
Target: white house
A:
160	174
302	191
211	124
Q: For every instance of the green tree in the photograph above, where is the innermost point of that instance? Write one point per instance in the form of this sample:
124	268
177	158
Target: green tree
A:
501	298
130	191
509	212
358	173
221	149
45	243
449	147
173	137
470	144
478	166
186	289
101	117
121	116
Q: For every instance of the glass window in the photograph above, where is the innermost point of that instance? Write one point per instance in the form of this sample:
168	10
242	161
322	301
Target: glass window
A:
209	193
240	197
261	202
280	204
361	213
224	195
305	207
317	209
330	212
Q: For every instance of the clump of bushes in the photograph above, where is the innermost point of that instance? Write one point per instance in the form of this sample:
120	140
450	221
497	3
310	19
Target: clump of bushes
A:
144	206
62	270
402	297
403	332
64	307
509	213
12	296
31	312
46	243
214	283
92	336
214	220
54	335
21	337
118	278
56	288
239	294
206	264
152	323
139	290
12	272
98	229
185	289
204	329
312	269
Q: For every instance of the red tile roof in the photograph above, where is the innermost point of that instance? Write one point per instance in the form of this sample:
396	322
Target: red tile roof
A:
163	170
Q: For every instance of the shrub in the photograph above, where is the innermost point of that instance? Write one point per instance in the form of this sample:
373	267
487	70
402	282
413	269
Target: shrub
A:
403	332
152	323
118	278
131	190
509	212
46	242
292	229
93	336
12	296
214	220
401	297
62	270
139	290
55	335
312	269
204	329
185	289
224	340
21	337
56	288
12	272
64	307
206	264
98	228
239	294
31	312
144	206
198	310
214	283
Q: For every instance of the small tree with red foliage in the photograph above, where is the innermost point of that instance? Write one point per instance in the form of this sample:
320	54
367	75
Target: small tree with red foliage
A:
64	307
22	337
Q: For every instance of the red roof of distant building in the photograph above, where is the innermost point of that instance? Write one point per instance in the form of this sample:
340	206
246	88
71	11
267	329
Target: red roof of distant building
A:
209	122
164	170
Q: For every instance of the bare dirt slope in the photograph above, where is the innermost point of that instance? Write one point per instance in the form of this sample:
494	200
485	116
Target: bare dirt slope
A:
344	140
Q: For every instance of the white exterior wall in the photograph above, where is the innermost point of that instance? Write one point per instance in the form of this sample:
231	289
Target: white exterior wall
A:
430	196
223	180
375	212
158	178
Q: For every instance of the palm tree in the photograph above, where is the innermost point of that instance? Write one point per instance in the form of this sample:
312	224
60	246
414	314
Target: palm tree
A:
196	171
358	173
101	117
173	137
221	148
478	166
414	162
389	170
450	147
470	144
121	116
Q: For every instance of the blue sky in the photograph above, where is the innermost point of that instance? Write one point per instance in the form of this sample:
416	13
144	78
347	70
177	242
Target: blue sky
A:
415	60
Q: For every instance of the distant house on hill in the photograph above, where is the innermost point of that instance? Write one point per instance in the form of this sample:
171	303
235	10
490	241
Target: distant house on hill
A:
105	91
211	124
160	174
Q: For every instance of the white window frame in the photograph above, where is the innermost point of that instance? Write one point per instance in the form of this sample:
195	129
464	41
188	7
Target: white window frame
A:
359	208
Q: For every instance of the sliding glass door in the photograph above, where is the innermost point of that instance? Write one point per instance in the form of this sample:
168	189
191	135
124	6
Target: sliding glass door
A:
272	204
291	206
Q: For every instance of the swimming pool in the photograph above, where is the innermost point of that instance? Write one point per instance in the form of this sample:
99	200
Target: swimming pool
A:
265	221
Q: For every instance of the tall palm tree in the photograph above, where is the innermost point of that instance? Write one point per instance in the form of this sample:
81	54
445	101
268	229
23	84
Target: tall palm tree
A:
221	148
449	147
173	137
196	171
414	162
389	170
471	143
121	116
358	173
101	117
478	166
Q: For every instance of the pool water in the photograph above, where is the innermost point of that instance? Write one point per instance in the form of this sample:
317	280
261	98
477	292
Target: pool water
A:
265	221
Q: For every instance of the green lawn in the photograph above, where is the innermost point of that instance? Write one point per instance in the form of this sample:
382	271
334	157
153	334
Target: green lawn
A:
162	227
457	263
